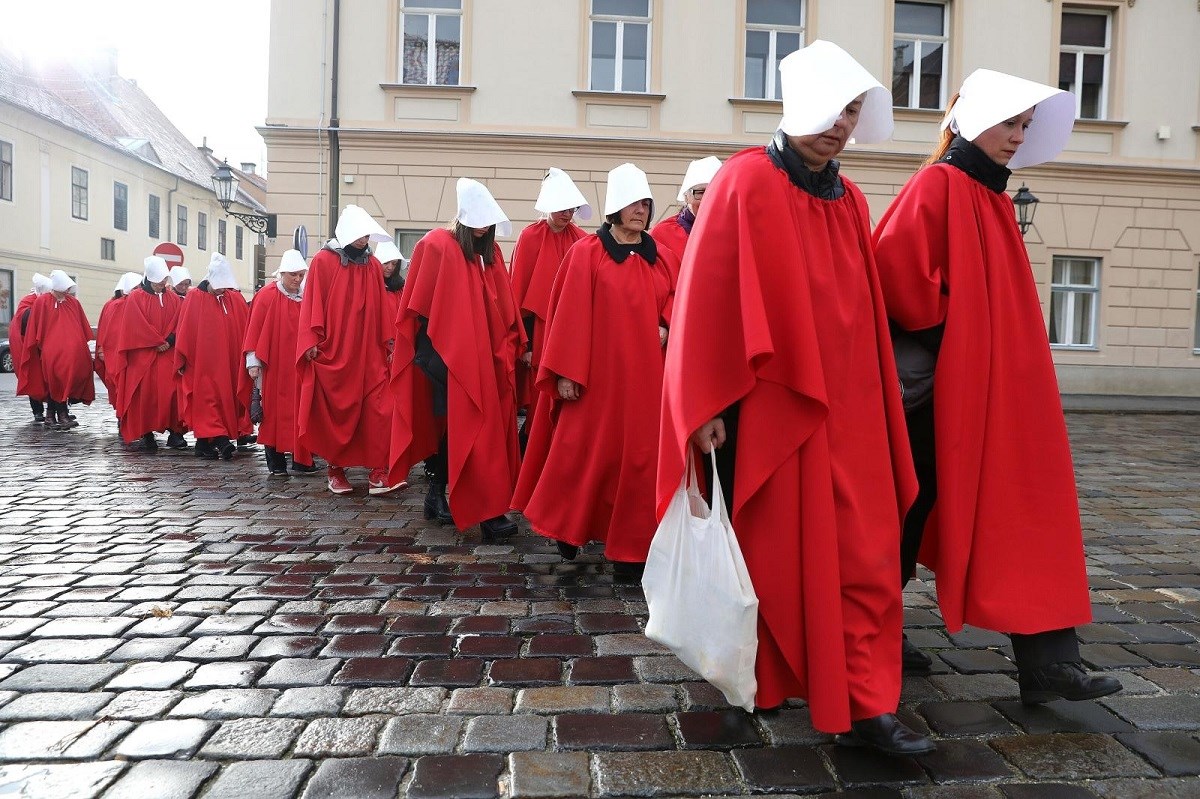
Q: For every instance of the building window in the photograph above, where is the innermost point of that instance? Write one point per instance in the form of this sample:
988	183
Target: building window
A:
120	206
919	55
425	21
108	249
181	225
620	57
221	236
774	29
6	296
1083	60
202	230
6	170
406	240
1196	334
79	193
155	210
1074	287
237	242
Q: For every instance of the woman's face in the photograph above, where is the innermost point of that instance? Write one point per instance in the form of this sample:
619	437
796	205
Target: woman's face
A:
560	219
819	149
694	196
636	216
361	243
1000	142
479	232
182	286
389	268
291	280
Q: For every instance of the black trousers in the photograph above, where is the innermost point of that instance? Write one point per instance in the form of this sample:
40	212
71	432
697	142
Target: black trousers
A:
726	455
1029	651
37	406
437	465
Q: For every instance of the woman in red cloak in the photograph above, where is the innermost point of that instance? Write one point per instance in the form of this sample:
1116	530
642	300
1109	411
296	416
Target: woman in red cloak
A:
270	348
57	335
1003	538
391	261
536	259
673	232
780	358
458	337
30	382
589	469
107	328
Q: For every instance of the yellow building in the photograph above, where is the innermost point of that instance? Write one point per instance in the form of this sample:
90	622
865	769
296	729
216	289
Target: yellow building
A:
362	109
93	177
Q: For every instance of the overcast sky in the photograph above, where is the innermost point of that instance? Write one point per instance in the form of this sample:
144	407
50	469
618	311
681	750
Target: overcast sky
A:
204	63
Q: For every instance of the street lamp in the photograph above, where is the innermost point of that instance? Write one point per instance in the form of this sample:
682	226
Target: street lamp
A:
1026	206
225	184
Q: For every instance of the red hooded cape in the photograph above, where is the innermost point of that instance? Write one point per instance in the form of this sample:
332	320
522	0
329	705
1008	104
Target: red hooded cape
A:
148	396
271	336
779	310
474	326
589	467
535	262
670	234
57	334
107	328
344	409
28	366
1004	538
208	355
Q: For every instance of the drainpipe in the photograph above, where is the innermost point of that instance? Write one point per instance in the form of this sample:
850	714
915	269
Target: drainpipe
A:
170	214
335	155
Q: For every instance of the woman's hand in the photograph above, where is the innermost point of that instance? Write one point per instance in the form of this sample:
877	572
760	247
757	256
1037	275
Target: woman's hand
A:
662	336
527	358
568	389
312	354
162	347
710	435
255	372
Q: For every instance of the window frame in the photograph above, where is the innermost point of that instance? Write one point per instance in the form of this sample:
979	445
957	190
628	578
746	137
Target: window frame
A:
8	300
181	224
77	190
7	170
238	242
772	50
1073	290
914	86
1081	50
121	204
222	237
201	230
1196	329
415	7
618	60
108	246
154	217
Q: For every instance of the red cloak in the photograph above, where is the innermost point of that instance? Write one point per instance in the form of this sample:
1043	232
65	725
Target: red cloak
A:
589	467
535	262
475	328
1004	538
345	409
208	356
28	366
148	395
670	234
271	336
107	328
57	333
779	310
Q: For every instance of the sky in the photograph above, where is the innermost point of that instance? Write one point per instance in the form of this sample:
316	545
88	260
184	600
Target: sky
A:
204	63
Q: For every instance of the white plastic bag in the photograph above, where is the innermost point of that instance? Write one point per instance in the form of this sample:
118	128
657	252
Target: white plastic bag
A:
702	604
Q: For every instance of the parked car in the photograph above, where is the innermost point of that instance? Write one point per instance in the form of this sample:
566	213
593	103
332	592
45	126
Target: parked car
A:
6	359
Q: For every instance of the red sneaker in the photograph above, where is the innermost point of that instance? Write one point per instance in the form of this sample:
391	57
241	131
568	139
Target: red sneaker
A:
377	482
338	483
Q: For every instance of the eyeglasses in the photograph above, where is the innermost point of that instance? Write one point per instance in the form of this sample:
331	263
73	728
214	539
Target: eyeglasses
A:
697	193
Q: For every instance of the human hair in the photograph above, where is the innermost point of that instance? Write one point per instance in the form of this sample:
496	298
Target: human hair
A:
484	246
947	137
614	218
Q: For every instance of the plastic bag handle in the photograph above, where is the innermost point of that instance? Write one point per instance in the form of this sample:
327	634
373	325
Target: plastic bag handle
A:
717	505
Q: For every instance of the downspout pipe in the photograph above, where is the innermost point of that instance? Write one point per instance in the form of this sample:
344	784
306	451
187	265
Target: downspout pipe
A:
335	154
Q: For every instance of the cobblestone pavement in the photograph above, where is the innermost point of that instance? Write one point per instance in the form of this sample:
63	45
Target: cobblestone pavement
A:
177	628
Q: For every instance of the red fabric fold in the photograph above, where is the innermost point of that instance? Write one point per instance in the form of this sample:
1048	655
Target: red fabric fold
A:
107	328
1004	539
57	335
670	234
271	335
28	366
149	399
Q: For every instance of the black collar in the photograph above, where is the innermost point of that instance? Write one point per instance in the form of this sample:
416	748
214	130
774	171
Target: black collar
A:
145	286
345	257
619	252
970	159
824	185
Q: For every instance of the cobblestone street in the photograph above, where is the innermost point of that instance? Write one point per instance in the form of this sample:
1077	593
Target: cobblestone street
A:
171	627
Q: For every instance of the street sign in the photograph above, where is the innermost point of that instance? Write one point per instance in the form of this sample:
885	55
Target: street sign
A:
300	240
170	253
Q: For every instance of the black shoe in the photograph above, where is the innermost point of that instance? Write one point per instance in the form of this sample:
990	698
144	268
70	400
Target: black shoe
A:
276	462
497	529
1066	680
887	734
628	572
914	660
305	468
436	508
568	551
228	449
39	418
246	443
206	450
148	445
176	441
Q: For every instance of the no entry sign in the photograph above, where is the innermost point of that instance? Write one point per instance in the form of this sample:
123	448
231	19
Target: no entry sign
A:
170	253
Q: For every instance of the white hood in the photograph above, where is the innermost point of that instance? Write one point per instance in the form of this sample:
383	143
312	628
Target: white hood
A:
698	173
477	208
559	193
220	273
155	269
626	185
354	223
817	82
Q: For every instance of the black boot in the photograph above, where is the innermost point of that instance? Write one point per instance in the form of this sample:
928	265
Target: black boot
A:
627	571
225	447
567	551
206	450
914	660
887	734
304	468
149	445
1066	680
497	529
276	462
436	507
176	440
246	443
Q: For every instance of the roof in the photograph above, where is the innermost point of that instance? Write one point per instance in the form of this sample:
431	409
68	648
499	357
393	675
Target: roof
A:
110	109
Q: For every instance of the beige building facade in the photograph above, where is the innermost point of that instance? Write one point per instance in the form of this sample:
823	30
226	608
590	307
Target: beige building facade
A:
93	177
378	117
